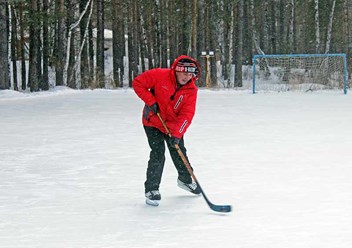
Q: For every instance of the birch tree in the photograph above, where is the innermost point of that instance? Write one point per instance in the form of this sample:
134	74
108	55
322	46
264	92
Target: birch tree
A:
13	42
69	76
70	56
83	59
229	57
329	30
317	26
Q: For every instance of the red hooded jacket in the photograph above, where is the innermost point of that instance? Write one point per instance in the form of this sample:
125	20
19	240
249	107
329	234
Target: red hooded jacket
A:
177	105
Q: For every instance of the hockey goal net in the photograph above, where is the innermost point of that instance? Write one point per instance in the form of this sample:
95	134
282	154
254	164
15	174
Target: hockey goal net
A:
303	72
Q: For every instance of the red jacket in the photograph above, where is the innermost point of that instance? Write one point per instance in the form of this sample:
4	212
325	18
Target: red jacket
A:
177	105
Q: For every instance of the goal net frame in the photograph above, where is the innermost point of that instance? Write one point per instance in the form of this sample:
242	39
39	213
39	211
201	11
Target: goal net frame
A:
285	72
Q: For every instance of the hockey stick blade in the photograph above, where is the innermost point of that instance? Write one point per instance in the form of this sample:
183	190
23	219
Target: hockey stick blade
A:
216	208
220	208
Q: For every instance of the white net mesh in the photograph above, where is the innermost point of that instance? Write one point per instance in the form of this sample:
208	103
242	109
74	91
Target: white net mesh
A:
299	72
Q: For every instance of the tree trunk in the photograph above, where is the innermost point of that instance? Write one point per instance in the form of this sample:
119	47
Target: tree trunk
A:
194	51
117	36
100	77
83	27
91	54
163	33
149	31
231	25
272	33
254	32
70	55
291	28
347	48
13	46
38	28
317	26
4	53
33	48
247	33
46	48
329	31
22	48
60	42
141	36
133	43
238	68
265	26
281	24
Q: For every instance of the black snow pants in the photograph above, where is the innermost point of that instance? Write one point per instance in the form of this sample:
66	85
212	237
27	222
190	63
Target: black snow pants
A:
156	140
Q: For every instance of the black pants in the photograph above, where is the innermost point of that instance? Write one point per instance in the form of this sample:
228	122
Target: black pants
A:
156	140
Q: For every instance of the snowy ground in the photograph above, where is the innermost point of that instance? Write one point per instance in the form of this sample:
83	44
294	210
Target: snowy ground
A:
72	168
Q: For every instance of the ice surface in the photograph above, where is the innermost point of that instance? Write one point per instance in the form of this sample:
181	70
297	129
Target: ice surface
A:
72	168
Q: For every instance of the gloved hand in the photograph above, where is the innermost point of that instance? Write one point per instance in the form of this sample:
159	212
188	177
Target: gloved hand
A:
174	141
154	108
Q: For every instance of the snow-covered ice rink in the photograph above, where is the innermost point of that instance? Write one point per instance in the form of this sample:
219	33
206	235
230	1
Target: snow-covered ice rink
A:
72	169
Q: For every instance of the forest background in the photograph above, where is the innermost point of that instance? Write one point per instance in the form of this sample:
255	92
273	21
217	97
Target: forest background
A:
65	38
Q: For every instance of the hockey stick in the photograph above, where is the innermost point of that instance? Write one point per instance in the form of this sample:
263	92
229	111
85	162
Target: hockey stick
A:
217	208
